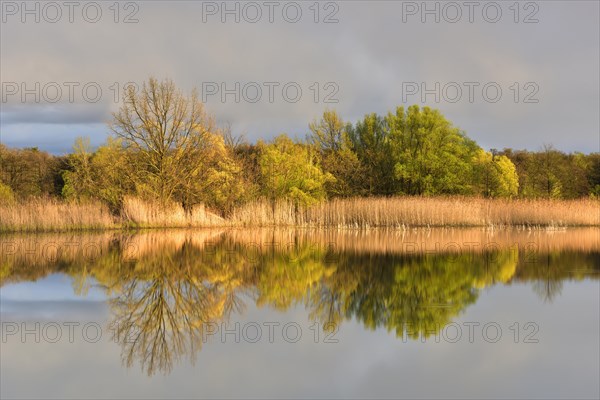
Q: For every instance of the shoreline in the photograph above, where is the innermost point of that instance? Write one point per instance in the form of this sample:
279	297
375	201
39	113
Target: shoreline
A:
143	229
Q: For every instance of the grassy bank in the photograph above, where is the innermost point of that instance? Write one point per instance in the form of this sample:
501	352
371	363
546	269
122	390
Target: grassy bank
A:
363	213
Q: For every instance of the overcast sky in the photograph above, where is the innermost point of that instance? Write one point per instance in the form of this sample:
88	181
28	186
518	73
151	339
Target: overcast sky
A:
378	55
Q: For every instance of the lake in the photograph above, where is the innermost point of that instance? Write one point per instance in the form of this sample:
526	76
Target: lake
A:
443	313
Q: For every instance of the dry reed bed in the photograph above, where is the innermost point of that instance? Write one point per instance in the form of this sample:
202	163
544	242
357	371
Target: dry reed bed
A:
454	211
48	215
407	212
397	212
143	214
52	215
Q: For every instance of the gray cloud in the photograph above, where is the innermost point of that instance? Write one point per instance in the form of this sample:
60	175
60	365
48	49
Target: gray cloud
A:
368	55
64	114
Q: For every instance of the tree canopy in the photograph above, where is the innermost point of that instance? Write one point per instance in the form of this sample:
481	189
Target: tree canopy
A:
166	148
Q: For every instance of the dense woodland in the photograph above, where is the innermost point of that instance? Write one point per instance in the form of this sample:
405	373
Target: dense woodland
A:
164	147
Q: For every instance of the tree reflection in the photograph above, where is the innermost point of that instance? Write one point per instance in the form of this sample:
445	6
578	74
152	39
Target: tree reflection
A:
165	294
163	304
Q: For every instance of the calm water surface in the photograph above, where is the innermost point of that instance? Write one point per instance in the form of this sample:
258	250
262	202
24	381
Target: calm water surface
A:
296	313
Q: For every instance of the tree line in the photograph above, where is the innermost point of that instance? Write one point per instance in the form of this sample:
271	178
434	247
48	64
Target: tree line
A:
165	147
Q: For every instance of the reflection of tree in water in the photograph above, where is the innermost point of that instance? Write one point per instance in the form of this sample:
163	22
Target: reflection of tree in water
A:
549	285
163	297
166	299
413	294
547	272
419	296
547	289
163	306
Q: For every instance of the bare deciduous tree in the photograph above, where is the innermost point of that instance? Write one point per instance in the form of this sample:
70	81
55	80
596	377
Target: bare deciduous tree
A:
169	133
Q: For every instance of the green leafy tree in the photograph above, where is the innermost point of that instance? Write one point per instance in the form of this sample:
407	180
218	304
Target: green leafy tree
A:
79	180
593	174
28	172
371	142
508	180
432	156
331	138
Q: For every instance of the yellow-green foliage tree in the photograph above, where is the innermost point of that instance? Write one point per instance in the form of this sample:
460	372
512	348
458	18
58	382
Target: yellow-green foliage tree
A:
289	170
6	194
112	171
219	183
103	174
79	181
495	175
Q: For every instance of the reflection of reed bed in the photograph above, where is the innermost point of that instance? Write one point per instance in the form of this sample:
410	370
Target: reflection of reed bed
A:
147	243
420	241
233	254
30	257
50	247
42	249
85	247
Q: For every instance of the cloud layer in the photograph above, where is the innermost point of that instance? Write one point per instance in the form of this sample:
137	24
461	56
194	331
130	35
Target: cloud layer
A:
371	60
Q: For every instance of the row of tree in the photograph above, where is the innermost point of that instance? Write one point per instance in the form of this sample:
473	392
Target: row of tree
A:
165	147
